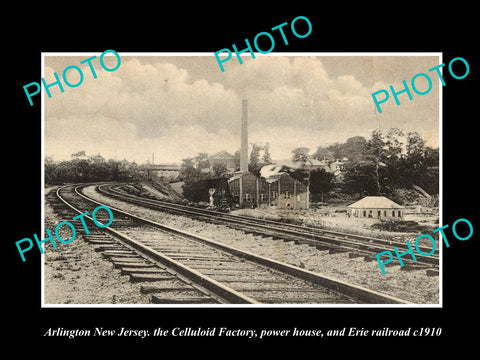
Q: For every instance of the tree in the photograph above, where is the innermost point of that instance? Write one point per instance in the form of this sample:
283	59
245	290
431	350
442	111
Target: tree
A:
78	154
236	157
353	149
219	169
375	153
394	145
300	154
432	157
254	164
337	150
321	182
193	169
361	178
266	159
415	169
78	170
201	161
323	154
188	172
415	145
299	174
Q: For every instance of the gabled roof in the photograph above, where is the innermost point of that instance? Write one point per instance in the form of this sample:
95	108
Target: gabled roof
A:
222	155
375	202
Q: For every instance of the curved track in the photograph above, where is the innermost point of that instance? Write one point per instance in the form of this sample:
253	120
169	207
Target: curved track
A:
178	267
355	245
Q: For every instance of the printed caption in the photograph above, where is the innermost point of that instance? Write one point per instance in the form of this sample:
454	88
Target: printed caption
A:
243	333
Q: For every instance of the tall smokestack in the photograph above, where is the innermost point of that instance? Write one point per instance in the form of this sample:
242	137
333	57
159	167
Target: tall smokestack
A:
244	143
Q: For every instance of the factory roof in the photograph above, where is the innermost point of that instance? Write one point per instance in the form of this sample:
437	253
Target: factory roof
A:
272	172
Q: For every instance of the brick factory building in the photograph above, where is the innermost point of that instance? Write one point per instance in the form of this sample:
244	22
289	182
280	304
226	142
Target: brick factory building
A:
272	188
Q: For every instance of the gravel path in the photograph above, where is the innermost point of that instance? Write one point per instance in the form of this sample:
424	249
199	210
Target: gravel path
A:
414	286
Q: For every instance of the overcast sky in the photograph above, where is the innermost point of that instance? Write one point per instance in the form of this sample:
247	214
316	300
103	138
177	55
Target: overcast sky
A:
178	106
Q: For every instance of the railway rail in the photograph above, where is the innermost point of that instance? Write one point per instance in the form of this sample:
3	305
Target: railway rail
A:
177	267
333	241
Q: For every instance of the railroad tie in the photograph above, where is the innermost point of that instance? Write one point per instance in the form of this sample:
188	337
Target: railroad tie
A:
337	250
120	254
137	264
142	270
410	266
165	298
432	272
109	247
150	288
151	277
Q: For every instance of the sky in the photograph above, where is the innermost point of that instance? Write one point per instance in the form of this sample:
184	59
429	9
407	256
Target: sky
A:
179	105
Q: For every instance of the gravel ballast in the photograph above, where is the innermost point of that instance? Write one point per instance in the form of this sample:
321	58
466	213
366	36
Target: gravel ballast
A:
413	285
75	273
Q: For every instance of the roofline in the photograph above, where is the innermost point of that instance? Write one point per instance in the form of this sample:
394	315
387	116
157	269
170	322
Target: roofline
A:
376	207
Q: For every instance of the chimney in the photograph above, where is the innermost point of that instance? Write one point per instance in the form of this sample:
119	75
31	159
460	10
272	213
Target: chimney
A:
244	143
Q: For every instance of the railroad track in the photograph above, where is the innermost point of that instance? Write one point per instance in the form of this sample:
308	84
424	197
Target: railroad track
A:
177	267
333	241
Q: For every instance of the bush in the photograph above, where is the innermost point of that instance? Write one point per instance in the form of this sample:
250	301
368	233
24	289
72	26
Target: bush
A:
79	171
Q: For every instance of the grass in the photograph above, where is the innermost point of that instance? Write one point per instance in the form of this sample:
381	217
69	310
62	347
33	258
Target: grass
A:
401	226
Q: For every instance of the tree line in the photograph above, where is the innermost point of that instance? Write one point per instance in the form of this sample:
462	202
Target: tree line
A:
386	162
80	170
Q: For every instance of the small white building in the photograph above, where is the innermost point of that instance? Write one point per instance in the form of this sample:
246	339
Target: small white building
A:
377	207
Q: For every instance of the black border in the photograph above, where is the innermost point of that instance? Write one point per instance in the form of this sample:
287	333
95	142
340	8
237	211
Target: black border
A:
157	28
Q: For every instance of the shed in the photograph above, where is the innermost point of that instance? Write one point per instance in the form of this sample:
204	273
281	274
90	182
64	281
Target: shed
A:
377	207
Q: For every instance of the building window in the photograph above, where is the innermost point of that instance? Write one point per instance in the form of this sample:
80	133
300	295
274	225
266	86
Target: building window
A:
274	194
378	213
399	213
393	213
262	197
247	197
364	213
385	213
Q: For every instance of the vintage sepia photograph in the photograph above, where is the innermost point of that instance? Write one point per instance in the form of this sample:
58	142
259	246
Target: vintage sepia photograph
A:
275	183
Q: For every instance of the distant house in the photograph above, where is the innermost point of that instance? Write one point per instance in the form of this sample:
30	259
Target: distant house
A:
337	165
377	207
314	164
